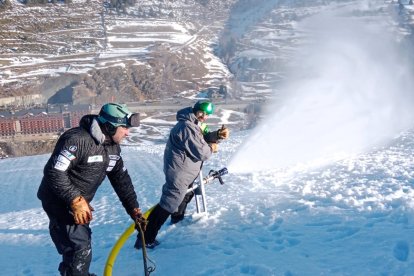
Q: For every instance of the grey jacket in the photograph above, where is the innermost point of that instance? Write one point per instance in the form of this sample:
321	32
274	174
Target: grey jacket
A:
184	154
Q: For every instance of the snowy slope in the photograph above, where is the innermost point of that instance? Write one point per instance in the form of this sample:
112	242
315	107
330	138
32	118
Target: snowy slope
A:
353	217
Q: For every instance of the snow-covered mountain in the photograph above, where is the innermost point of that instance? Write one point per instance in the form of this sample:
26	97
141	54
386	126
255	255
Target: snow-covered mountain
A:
159	49
153	50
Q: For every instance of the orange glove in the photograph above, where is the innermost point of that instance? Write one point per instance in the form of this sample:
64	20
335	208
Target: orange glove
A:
82	211
214	147
136	215
223	132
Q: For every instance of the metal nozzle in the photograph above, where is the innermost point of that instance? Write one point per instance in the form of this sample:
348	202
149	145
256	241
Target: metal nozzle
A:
218	174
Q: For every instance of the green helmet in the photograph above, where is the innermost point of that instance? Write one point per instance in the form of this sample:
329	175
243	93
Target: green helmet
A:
205	106
118	115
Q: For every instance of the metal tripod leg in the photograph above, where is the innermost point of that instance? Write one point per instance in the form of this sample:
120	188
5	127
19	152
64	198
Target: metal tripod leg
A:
200	196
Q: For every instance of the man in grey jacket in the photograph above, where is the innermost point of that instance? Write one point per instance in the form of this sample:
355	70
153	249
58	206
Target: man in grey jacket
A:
190	143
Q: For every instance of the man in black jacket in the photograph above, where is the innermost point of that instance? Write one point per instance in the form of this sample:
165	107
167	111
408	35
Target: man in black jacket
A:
82	158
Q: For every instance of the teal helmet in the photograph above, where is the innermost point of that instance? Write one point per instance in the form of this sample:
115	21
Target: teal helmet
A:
205	106
118	115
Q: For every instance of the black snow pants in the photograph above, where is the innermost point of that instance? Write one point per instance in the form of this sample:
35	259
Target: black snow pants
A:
156	219
72	241
179	215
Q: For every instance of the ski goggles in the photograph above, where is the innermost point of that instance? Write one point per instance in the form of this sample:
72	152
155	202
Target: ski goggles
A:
131	120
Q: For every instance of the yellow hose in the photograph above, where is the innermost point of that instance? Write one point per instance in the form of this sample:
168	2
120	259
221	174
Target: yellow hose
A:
119	243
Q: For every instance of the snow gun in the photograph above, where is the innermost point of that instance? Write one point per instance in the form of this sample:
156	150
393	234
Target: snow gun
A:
210	177
216	174
199	189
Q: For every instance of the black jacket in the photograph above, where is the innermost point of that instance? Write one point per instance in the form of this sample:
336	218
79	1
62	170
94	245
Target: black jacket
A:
81	160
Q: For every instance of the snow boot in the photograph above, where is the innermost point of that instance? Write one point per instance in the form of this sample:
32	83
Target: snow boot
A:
150	245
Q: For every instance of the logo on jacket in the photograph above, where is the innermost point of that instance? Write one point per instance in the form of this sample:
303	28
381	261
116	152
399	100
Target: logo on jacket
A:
73	148
63	160
95	158
68	155
112	162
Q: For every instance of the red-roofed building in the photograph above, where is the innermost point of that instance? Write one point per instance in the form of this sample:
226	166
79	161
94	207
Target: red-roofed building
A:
7	126
41	123
54	119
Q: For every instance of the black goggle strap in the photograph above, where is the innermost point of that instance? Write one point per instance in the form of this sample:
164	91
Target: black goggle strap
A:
115	120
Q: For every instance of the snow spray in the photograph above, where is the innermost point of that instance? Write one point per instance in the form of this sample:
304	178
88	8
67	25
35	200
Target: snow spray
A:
351	89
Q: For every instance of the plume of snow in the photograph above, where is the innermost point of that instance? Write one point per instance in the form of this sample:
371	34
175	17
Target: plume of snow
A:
351	89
